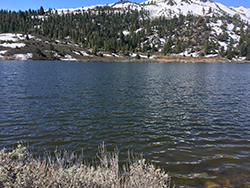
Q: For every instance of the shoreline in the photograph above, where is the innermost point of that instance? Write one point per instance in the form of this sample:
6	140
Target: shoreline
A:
156	59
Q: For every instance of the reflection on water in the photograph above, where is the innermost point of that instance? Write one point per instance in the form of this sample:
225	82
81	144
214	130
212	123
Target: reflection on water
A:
191	119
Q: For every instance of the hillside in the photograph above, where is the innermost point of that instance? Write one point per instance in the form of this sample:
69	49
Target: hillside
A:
155	30
171	8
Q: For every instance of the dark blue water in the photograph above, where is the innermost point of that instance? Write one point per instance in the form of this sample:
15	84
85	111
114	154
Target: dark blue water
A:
191	119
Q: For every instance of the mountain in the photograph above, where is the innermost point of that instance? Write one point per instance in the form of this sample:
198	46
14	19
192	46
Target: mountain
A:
153	29
171	8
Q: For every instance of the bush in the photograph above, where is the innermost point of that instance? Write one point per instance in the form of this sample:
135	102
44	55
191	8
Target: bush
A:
148	55
89	52
137	56
62	53
19	169
229	56
39	52
248	57
51	47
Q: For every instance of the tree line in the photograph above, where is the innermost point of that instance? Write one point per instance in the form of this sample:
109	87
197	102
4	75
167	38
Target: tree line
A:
103	28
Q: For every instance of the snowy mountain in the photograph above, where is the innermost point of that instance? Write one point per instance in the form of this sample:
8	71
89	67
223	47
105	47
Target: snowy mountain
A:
197	7
171	8
207	29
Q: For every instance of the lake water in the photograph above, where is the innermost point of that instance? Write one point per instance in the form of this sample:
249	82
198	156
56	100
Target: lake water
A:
191	119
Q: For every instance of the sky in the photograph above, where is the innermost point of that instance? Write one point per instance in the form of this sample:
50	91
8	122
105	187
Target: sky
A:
16	5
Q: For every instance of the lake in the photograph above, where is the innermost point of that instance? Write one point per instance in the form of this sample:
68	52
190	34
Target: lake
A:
192	119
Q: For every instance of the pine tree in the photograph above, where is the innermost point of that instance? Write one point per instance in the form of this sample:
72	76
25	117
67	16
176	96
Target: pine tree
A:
148	55
41	11
50	47
95	50
206	47
222	51
230	54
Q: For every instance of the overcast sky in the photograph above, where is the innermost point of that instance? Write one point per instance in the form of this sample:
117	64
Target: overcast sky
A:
35	4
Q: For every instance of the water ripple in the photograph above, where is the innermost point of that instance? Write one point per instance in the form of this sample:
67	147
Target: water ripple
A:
192	119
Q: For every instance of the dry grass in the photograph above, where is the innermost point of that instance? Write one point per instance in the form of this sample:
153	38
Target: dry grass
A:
19	169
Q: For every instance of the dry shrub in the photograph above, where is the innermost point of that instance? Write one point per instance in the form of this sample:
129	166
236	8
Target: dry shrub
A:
19	169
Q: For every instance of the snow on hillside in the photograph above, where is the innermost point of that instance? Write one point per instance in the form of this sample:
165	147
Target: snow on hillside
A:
2	52
124	5
68	58
175	7
243	10
61	11
216	30
23	56
12	45
11	40
170	8
13	37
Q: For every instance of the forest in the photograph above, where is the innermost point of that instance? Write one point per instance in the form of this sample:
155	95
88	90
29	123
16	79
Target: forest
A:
125	31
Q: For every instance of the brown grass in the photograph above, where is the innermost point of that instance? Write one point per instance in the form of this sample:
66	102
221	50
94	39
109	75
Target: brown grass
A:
19	169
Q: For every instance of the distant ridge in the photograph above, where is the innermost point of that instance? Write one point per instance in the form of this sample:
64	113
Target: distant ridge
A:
171	8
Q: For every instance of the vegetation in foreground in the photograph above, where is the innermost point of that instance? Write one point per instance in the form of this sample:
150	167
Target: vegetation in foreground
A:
18	168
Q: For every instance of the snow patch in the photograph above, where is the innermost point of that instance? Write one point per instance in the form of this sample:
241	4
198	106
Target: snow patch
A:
188	53
85	54
3	52
77	53
107	55
115	55
13	37
12	45
68	58
163	41
138	30
224	44
142	56
240	59
23	56
211	55
125	33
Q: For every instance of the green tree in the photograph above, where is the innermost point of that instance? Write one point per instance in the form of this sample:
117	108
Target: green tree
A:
148	55
168	47
222	51
41	11
206	47
51	47
229	54
95	50
38	52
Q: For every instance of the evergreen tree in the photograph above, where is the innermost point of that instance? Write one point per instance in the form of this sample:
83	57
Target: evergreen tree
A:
222	51
168	47
137	56
206	47
95	50
230	54
50	47
41	11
